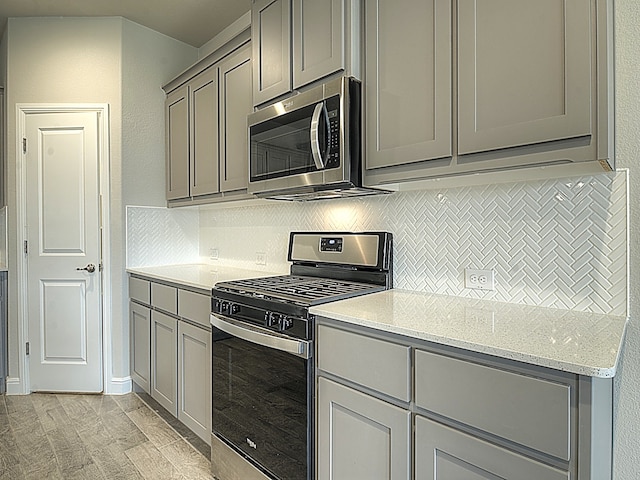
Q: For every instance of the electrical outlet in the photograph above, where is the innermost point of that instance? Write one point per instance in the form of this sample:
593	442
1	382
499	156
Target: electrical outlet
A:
213	253
479	279
261	258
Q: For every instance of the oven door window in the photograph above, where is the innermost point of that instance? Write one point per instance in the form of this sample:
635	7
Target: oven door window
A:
262	404
282	146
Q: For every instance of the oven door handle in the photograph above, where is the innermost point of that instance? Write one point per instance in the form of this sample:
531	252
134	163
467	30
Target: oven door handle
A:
260	336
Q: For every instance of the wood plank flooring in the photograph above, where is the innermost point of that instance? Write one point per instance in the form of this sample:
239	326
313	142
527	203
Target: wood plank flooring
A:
50	436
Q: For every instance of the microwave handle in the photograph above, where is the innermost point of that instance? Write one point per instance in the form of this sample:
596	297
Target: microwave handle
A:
315	137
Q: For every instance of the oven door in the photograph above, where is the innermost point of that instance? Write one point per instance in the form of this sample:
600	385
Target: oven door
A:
262	397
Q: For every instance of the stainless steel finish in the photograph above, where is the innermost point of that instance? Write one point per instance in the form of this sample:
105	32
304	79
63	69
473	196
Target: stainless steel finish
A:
357	249
308	183
261	336
314	134
227	464
304	99
89	268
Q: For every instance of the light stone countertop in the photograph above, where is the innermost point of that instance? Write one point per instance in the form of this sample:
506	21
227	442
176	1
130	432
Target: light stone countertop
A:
577	342
199	276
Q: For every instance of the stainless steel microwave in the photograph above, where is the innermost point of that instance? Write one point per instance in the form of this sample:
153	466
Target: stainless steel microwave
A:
308	146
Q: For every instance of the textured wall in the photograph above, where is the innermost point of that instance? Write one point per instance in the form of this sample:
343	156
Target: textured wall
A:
149	60
627	382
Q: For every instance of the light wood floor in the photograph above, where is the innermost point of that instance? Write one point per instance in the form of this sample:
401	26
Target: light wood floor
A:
48	436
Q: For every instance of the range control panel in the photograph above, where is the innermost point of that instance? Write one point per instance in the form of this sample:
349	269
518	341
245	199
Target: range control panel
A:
331	244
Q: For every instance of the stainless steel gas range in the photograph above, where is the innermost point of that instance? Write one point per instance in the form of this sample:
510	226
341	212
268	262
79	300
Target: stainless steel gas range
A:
262	366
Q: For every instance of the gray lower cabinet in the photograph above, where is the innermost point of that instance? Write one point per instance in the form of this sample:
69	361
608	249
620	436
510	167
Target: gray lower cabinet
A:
194	379
171	350
473	416
360	436
140	344
444	453
164	361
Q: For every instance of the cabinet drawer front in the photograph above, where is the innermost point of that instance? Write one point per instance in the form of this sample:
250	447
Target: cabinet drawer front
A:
370	362
164	297
527	410
139	290
443	453
194	306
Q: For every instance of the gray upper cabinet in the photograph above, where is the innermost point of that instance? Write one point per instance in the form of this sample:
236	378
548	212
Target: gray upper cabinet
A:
524	72
457	87
297	42
204	128
319	39
177	143
235	105
407	81
271	39
191	113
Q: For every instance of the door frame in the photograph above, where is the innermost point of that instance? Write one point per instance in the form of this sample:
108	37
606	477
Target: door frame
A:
102	111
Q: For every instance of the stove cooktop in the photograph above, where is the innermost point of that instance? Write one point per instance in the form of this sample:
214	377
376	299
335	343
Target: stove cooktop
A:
302	290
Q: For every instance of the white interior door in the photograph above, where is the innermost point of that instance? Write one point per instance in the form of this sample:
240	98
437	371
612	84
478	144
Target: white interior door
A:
63	235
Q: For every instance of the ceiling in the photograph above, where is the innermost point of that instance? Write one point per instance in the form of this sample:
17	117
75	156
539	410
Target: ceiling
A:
194	22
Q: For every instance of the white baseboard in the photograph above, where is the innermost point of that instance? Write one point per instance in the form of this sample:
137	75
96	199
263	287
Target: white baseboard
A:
118	386
14	386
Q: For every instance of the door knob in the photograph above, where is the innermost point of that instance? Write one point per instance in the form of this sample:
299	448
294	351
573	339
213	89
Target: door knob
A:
89	268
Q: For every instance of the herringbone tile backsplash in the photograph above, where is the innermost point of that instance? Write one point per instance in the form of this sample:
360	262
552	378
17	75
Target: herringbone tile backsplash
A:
560	243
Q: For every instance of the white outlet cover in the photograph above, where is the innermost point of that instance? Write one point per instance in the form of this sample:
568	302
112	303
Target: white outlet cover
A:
479	279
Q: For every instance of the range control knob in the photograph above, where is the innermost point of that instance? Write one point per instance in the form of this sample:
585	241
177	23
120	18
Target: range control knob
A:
224	307
234	308
286	323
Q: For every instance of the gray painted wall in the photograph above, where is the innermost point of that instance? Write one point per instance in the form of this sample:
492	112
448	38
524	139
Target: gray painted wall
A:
627	382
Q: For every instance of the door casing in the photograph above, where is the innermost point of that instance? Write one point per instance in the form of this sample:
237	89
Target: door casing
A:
23	386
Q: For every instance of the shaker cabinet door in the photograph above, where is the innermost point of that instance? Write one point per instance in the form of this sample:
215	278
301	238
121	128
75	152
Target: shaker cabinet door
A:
271	39
359	436
443	453
204	133
140	345
318	39
524	72
407	81
194	379
177	143
235	105
164	360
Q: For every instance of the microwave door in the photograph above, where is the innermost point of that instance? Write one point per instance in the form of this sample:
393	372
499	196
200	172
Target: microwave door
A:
281	147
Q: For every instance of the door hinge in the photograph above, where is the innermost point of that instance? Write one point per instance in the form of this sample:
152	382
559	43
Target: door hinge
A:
27	348
24	145
26	247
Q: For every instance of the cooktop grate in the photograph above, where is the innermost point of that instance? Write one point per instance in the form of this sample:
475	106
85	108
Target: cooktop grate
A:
299	289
